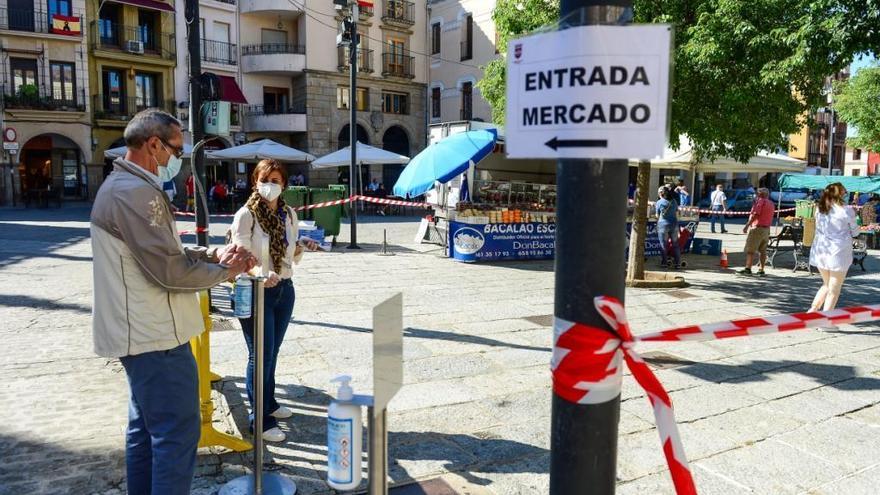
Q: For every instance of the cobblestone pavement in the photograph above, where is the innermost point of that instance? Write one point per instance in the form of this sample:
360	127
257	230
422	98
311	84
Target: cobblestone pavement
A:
778	414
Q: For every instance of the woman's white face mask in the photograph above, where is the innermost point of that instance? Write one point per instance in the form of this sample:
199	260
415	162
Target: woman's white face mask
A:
269	190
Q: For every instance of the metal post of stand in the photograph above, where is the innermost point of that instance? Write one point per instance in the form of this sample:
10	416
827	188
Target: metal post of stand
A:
259	483
377	467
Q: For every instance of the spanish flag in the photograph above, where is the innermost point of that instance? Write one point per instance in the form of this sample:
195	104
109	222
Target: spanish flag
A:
62	24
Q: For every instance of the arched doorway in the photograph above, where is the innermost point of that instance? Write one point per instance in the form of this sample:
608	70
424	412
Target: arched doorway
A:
394	140
345	135
343	138
51	165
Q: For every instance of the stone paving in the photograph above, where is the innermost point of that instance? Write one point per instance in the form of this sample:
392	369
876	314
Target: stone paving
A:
778	414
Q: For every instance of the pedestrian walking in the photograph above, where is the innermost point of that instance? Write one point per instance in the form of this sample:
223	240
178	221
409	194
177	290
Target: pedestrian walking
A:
667	226
146	308
758	229
719	204
832	249
269	228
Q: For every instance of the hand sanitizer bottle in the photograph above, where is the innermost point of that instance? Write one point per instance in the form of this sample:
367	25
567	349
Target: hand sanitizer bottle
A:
344	438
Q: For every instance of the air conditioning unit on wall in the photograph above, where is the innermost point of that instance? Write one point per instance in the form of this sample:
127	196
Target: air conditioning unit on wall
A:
134	46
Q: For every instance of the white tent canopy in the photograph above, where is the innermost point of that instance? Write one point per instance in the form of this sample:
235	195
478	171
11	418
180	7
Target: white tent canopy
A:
260	150
763	162
366	155
115	153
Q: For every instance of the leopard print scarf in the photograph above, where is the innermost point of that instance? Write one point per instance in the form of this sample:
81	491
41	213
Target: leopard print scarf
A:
272	223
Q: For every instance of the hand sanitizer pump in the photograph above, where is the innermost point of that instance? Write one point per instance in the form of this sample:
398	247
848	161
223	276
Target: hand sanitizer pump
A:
344	438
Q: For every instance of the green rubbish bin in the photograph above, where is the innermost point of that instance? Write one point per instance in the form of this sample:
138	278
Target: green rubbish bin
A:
804	208
343	190
328	218
296	196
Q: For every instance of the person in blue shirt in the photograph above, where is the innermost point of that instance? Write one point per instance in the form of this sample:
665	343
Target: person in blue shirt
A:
667	225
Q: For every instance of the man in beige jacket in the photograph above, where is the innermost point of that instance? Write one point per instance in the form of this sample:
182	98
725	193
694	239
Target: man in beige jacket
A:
146	307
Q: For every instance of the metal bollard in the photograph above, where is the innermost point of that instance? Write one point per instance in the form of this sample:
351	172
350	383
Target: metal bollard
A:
259	483
377	466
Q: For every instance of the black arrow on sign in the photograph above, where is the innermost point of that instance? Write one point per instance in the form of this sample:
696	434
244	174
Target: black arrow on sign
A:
557	143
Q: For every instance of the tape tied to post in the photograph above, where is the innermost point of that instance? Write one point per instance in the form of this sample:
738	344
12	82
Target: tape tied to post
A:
587	362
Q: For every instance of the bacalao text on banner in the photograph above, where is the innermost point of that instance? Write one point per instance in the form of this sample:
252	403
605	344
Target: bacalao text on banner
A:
589	92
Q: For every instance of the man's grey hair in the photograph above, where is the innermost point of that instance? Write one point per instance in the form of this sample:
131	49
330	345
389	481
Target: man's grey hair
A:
763	192
149	123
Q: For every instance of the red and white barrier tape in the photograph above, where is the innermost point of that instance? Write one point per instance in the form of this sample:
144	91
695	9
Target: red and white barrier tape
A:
367	199
587	362
691	209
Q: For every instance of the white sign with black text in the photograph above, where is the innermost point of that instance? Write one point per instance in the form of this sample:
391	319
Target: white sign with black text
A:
589	92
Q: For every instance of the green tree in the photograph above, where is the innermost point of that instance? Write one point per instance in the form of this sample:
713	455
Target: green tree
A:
746	74
858	103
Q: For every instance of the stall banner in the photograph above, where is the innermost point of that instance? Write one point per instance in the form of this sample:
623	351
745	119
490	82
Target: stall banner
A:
502	241
652	241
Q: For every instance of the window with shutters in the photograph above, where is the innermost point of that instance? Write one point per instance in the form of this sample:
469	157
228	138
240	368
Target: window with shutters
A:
467	38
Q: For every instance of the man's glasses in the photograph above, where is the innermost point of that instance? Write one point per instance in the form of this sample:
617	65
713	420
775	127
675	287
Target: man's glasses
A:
177	152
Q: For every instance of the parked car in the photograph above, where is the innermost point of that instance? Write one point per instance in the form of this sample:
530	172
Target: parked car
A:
789	197
737	200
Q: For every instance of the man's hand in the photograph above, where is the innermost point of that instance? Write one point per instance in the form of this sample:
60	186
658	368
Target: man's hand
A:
310	244
237	258
745	229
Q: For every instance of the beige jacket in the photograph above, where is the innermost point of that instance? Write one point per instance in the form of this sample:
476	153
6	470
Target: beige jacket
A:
145	281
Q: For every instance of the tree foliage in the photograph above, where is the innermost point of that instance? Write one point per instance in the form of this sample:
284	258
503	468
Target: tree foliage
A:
513	19
858	103
747	73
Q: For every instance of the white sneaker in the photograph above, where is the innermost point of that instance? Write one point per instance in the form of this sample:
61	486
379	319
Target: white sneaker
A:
282	413
274	435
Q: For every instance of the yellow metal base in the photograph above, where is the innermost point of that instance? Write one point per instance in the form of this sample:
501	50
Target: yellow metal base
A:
201	347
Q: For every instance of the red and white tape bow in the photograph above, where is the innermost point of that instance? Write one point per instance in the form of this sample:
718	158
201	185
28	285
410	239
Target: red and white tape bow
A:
587	362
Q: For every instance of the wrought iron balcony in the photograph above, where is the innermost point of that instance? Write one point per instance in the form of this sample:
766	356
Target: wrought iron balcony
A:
271	48
134	40
364	59
119	108
41	22
219	52
399	12
28	98
398	65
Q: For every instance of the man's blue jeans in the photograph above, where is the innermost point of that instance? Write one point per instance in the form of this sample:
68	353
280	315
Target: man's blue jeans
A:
718	208
163	421
277	310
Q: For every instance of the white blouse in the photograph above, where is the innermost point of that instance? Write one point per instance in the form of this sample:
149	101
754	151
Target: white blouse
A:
832	246
246	232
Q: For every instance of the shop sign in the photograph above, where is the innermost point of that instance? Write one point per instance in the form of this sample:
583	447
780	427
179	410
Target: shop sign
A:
502	241
589	92
652	240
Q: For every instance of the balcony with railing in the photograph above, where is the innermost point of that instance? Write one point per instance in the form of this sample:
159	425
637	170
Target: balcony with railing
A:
113	37
364	59
261	118
399	12
219	52
273	58
28	97
284	9
398	65
41	22
123	109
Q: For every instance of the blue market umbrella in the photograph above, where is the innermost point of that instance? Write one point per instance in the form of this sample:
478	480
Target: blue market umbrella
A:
443	160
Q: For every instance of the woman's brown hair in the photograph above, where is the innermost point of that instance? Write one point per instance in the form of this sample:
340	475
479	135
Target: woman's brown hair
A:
833	194
266	167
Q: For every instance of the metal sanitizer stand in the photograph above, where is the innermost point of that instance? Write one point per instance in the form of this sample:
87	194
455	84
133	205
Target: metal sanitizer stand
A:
259	483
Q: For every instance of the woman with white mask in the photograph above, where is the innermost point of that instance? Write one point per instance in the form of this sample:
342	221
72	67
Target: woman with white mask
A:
269	229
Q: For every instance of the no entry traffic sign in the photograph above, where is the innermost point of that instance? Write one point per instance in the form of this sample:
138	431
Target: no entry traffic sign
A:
589	92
